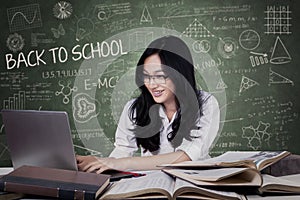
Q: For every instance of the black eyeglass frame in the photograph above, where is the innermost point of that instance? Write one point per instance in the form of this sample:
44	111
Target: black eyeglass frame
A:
158	79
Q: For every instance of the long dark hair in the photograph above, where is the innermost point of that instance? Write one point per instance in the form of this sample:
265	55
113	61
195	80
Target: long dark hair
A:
177	64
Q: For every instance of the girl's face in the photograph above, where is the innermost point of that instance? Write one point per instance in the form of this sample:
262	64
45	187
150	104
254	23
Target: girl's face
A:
157	82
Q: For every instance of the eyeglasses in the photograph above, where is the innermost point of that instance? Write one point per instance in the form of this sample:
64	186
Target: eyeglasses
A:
158	79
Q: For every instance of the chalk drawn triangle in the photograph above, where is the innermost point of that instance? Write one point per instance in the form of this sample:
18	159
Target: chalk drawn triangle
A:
280	55
276	78
246	84
221	85
196	29
146	17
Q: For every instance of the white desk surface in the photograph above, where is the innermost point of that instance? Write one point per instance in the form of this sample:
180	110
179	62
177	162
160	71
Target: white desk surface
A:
5	170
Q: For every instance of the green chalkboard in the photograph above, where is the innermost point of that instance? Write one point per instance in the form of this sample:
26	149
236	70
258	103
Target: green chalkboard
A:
80	57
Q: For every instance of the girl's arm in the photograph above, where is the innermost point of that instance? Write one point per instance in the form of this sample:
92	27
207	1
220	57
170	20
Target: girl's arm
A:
98	165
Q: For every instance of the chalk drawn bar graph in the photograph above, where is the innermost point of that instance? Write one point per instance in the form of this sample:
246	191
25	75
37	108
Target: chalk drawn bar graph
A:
24	17
17	102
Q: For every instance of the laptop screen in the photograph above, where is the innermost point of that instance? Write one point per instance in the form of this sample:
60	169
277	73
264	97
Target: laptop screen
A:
39	138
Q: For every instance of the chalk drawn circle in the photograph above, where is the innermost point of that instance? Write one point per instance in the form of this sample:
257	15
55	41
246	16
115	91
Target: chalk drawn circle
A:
104	13
15	42
227	47
202	46
249	39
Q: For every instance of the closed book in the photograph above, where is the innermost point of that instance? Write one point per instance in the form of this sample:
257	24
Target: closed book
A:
51	182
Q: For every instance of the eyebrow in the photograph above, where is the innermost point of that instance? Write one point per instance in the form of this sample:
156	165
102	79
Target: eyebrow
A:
154	71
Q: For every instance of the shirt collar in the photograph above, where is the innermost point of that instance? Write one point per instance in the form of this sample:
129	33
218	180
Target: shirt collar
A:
163	115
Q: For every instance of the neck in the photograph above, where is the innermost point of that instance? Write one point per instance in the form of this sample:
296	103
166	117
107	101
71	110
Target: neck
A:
170	109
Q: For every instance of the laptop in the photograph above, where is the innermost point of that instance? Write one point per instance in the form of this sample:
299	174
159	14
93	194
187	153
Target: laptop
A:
39	138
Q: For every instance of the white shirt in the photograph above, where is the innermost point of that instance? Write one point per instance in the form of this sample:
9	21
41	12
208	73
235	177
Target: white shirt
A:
197	149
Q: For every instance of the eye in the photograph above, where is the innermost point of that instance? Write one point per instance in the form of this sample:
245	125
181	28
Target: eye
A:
146	76
160	76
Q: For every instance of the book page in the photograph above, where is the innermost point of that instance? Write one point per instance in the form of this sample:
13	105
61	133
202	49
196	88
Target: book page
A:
281	197
293	177
261	159
184	188
227	157
234	158
156	182
289	183
265	158
208	174
249	177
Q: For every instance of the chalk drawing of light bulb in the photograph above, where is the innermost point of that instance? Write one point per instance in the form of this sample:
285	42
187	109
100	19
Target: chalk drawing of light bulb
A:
84	28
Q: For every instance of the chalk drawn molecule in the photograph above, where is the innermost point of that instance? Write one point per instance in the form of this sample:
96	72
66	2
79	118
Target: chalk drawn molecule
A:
66	91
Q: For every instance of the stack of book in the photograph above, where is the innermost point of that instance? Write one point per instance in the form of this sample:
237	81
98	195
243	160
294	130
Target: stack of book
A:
235	175
232	175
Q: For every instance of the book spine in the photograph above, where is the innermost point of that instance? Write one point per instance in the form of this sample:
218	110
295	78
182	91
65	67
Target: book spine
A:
28	189
46	191
1	184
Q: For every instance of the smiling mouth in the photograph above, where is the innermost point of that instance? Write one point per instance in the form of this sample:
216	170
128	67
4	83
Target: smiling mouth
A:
157	93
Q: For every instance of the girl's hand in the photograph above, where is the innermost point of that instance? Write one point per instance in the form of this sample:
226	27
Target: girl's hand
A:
97	164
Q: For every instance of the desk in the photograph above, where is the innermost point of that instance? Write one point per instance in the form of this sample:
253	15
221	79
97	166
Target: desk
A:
5	170
286	166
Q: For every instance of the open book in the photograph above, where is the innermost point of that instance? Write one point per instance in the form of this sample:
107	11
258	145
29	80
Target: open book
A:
282	184
225	177
252	159
160	185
